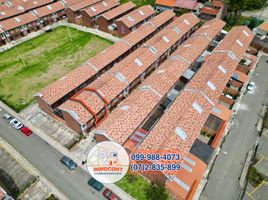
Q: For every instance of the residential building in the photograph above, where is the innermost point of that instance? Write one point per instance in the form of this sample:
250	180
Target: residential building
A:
106	20
176	5
92	13
73	12
18	27
261	30
133	20
58	92
50	14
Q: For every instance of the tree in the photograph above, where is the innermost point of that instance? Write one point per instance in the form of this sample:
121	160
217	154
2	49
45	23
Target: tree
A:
156	192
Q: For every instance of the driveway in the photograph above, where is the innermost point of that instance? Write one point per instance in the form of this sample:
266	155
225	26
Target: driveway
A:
46	159
223	181
257	13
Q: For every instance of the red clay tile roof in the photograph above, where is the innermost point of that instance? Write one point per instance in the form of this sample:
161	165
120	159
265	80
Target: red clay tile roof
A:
121	123
83	4
169	3
101	7
217	3
264	26
110	85
71	2
237	42
243	69
189	173
209	10
17	7
31	4
70	81
188	4
176	130
15	22
136	16
240	76
112	14
236	83
49	9
226	100
57	90
223	113
9	12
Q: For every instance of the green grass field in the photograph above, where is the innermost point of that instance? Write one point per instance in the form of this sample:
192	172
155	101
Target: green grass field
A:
47	57
136	188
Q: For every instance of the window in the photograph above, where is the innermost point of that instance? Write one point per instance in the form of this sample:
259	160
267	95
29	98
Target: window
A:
138	62
239	42
181	133
23	27
211	86
222	69
197	107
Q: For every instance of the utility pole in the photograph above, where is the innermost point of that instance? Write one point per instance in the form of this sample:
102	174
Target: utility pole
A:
24	64
69	33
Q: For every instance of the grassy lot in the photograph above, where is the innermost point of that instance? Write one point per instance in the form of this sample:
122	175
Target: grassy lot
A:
134	185
140	2
47	57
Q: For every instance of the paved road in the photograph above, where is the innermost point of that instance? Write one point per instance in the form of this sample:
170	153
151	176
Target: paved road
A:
257	13
46	159
223	183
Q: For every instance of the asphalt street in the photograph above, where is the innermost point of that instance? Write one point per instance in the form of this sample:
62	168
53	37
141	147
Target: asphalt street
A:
223	181
47	160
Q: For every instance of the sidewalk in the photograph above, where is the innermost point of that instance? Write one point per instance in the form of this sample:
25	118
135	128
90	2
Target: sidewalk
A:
50	188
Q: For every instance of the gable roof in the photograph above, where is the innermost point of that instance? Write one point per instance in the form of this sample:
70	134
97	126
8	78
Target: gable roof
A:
15	22
83	4
119	10
49	9
137	16
101	7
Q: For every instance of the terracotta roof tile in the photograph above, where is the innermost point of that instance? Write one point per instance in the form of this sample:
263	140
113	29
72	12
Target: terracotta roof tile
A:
9	12
169	3
137	16
264	26
83	4
70	81
54	92
188	4
119	10
15	22
31	4
128	70
101	7
209	10
217	3
49	9
176	130
240	76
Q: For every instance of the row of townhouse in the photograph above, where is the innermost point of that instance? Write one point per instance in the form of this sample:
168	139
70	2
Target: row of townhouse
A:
134	118
178	129
91	105
51	97
109	15
19	26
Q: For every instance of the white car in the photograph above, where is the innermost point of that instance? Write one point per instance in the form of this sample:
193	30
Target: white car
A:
251	86
16	124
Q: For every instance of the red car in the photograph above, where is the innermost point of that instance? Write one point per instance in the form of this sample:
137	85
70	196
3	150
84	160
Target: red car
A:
26	131
110	195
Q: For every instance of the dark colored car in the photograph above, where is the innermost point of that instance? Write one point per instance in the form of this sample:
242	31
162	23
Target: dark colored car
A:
110	195
95	184
26	131
68	162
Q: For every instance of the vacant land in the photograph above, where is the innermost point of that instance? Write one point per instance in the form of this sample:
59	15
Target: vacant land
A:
47	58
140	2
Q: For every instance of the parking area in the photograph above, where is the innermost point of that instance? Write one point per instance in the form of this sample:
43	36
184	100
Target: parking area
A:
54	129
14	178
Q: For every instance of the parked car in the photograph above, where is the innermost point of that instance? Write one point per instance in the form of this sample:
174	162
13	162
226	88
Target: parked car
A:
95	184
16	124
110	195
26	131
7	116
68	162
251	86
